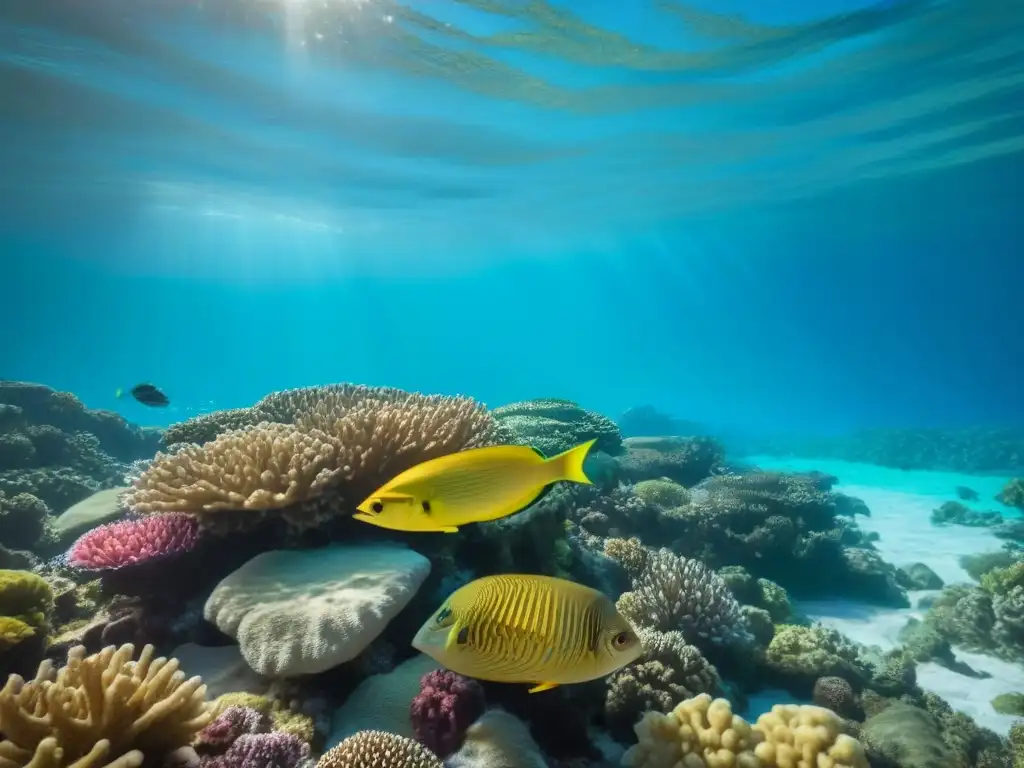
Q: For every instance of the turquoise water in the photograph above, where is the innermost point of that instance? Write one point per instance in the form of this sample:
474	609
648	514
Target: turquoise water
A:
776	219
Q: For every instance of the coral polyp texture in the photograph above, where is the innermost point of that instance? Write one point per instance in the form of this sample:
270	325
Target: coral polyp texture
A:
445	707
100	709
133	542
379	749
704	733
675	593
335	444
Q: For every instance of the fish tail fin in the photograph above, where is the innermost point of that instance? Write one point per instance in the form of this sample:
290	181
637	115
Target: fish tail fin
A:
570	463
118	393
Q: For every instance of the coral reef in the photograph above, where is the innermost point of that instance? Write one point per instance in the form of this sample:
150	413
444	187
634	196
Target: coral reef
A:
234	547
59	451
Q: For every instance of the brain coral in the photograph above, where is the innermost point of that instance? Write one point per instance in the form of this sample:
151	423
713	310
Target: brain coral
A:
298	612
378	749
335	444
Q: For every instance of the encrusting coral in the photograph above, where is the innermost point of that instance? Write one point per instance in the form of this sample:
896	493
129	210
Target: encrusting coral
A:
704	733
340	440
100	708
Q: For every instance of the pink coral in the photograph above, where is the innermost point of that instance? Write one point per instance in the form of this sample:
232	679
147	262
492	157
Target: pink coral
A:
445	707
133	542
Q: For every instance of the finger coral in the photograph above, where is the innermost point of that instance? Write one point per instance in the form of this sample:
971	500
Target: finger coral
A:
100	708
133	542
704	733
331	445
379	749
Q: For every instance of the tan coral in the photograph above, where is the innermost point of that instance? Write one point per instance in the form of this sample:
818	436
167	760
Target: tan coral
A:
263	467
103	709
704	733
379	749
630	553
803	736
344	439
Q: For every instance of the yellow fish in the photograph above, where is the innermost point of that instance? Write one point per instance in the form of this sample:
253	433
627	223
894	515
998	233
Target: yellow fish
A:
517	628
469	487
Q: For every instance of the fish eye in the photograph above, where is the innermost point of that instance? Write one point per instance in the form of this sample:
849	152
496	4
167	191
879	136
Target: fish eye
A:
443	616
377	507
621	640
426	505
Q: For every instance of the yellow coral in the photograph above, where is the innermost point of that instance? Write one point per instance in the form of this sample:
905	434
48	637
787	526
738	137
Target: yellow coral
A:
629	553
704	733
241	699
806	737
97	708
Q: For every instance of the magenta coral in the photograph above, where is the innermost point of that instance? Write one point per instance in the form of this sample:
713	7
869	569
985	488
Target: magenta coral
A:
133	542
262	750
445	707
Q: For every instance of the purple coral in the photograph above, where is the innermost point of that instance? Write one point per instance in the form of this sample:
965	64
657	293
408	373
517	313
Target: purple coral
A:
445	707
230	724
262	750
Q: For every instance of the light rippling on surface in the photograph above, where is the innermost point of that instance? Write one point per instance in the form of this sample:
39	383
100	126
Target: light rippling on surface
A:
372	117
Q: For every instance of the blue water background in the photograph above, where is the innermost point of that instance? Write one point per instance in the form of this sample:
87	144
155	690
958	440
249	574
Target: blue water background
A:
780	241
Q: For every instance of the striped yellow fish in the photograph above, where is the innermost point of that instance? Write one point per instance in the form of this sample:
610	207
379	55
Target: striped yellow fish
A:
469	487
517	628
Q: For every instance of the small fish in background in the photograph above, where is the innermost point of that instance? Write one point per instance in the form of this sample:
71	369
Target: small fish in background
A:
470	486
539	630
147	394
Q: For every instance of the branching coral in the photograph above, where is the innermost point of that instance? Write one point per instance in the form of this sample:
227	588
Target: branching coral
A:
339	444
102	706
677	593
669	671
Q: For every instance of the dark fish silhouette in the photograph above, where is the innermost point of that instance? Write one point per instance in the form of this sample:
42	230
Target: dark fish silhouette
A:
147	394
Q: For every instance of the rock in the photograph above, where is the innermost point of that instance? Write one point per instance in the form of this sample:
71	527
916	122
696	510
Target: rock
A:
919	576
300	612
905	736
966	494
381	702
222	668
874	578
101	507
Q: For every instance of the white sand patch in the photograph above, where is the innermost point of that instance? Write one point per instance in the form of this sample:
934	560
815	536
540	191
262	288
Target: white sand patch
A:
901	503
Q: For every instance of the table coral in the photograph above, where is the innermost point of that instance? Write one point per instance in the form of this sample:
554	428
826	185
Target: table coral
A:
338	445
101	707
